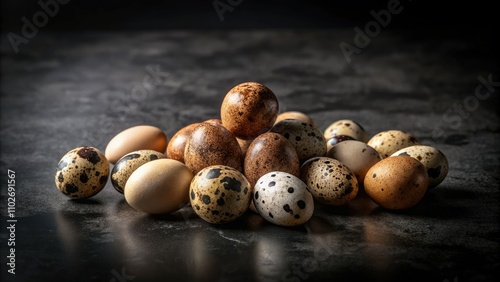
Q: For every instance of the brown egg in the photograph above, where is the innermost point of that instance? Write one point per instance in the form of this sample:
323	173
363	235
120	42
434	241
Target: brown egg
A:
159	186
141	137
295	115
396	183
249	109
177	144
212	144
270	152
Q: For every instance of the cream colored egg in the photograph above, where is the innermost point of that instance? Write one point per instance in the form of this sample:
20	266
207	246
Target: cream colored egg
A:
390	141
346	127
434	161
158	187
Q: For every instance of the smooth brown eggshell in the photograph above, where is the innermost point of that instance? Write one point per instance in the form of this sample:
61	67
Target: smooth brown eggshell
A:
270	152
212	144
177	144
295	115
158	187
249	109
141	137
390	141
397	183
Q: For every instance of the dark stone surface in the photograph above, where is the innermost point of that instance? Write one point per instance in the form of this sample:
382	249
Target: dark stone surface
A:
65	90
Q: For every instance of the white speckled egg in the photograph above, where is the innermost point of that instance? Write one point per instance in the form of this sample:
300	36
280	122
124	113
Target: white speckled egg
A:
390	141
356	155
329	181
128	164
307	139
220	194
82	172
434	161
346	127
283	199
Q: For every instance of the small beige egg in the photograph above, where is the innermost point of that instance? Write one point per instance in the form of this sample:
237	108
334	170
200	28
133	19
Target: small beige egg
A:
307	139
283	199
295	115
397	182
177	144
158	187
141	137
82	172
220	194
329	181
128	164
434	161
346	127
212	144
390	141
249	109
356	155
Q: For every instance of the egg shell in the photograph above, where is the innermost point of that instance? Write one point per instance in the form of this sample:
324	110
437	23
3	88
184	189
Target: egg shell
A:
220	194
295	115
177	144
283	199
346	127
434	161
82	172
390	141
397	182
128	164
356	155
335	140
141	137
212	144
270	152
329	181
158	187
249	109
244	144
307	140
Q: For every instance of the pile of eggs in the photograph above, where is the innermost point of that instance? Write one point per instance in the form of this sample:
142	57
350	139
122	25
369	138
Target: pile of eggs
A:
277	165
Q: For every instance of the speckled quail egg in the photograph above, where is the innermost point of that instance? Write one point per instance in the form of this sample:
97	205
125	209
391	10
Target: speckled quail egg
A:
283	199
390	141
434	161
397	183
82	172
128	164
356	155
329	181
307	139
346	127
220	194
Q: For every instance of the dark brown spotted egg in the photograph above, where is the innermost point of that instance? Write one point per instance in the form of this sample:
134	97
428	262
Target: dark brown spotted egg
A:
346	127
283	199
329	181
390	141
219	194
82	172
307	139
128	164
434	161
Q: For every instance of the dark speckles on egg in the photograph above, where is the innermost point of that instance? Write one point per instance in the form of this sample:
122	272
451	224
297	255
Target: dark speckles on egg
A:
301	204
84	178
256	195
213	173
193	195
70	189
89	154
290	190
205	199
288	209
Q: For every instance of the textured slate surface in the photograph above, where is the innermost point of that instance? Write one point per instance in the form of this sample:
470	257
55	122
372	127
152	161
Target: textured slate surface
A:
65	90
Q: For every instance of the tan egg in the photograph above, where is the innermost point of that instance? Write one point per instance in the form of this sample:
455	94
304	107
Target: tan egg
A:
177	144
397	182
434	161
335	140
220	194
307	139
329	181
295	115
346	127
128	164
212	144
356	155
390	141
159	187
270	152
141	137
249	109
82	172
244	144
